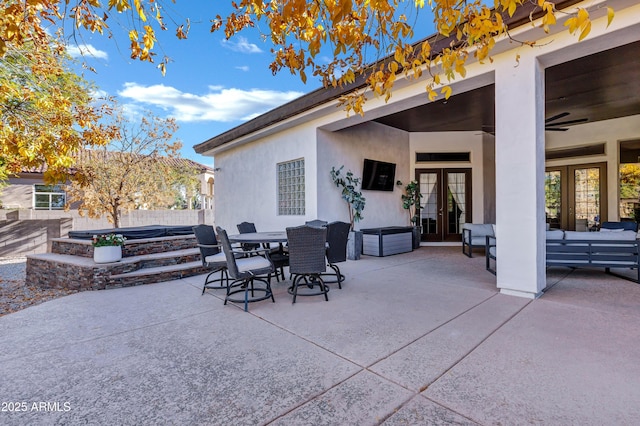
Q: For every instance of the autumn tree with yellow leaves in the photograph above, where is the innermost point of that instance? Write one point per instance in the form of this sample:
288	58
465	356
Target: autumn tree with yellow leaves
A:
46	111
139	169
372	40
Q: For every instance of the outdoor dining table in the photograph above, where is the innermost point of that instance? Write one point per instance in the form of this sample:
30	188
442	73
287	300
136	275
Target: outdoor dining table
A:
259	237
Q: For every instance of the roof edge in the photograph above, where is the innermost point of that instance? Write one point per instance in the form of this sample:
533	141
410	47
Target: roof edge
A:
323	95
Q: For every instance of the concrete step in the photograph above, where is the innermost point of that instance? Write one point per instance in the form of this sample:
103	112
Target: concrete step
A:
156	274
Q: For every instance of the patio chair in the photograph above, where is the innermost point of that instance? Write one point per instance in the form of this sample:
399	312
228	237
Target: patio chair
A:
278	256
307	251
474	235
245	271
212	257
337	236
316	222
247	228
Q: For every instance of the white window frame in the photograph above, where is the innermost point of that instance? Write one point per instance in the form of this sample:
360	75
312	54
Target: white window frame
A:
53	191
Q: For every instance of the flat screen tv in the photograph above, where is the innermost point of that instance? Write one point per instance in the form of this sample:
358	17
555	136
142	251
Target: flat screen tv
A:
378	175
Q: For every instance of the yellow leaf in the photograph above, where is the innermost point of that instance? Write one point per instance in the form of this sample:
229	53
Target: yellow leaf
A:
585	31
610	14
446	91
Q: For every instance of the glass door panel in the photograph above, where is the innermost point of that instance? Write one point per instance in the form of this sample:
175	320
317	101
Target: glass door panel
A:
587	198
553	198
456	202
430	213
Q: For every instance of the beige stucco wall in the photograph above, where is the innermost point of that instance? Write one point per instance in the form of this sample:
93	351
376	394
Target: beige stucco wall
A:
246	180
349	147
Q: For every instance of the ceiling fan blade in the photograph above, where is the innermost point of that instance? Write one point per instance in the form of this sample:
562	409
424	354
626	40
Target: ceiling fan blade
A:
555	117
556	129
564	123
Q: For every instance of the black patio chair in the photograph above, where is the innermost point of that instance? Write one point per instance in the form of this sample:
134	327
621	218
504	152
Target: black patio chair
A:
212	257
248	228
245	272
278	256
316	222
307	250
337	236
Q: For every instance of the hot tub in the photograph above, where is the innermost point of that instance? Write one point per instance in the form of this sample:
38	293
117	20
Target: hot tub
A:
136	232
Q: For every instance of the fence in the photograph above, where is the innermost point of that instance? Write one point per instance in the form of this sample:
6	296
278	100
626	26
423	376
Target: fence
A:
25	232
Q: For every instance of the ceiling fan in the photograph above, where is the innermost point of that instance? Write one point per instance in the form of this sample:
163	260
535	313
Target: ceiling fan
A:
549	123
552	126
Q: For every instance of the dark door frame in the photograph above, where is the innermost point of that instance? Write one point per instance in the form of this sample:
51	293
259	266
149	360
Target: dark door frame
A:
442	224
567	192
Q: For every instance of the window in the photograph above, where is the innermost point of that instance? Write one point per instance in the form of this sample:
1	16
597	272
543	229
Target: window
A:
442	157
49	197
291	188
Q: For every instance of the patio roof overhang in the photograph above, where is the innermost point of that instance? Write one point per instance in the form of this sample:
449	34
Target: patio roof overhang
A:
597	87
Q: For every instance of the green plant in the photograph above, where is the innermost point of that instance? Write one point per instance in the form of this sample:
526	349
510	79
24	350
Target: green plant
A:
350	193
105	240
411	200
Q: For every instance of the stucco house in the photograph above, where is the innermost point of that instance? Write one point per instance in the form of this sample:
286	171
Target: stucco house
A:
563	118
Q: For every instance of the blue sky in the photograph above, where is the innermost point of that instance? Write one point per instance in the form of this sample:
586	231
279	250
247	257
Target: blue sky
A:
211	85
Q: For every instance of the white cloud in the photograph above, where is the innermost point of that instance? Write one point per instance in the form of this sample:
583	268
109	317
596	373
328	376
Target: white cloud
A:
243	68
219	104
240	44
86	50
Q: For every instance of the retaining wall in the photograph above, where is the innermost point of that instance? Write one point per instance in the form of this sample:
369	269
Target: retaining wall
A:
25	232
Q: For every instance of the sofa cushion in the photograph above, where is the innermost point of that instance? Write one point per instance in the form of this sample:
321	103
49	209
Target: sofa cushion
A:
618	236
556	234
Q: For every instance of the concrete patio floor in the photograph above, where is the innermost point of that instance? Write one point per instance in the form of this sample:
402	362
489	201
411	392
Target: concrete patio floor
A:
413	339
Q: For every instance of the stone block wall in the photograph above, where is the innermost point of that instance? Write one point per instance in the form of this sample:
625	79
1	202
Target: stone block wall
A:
83	248
31	231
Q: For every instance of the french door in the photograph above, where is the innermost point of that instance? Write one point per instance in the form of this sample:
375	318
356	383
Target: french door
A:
446	203
576	196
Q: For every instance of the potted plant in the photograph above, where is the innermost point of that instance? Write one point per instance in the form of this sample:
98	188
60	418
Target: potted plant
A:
107	248
349	186
411	203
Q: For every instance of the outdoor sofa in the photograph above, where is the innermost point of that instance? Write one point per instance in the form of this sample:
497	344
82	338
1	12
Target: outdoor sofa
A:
608	248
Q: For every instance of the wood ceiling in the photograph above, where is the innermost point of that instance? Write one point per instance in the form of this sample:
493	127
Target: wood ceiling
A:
597	87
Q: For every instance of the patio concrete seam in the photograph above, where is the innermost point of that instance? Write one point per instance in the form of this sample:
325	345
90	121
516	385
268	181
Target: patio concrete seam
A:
399	407
311	342
311	398
471	419
432	330
506	321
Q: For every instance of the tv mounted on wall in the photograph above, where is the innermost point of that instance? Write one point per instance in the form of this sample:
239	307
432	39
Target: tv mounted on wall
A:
378	175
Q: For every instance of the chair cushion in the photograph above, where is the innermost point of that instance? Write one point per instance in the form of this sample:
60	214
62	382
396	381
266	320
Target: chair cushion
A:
250	263
479	229
216	258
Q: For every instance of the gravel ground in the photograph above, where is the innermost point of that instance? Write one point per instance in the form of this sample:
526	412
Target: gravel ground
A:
15	294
